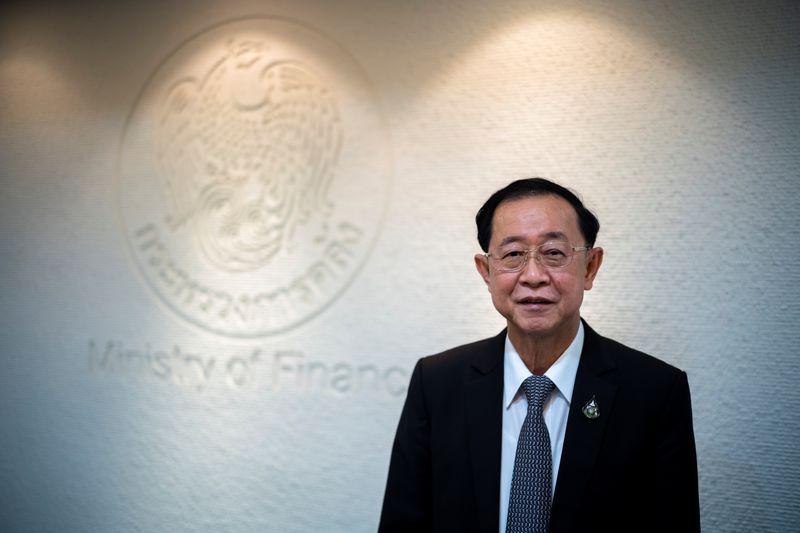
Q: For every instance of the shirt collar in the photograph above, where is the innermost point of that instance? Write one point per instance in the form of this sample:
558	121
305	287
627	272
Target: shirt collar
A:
561	373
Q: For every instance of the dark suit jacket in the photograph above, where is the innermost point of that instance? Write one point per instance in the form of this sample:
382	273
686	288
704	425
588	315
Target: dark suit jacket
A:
633	468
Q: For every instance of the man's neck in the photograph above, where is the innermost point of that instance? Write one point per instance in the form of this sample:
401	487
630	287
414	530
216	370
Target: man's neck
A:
539	352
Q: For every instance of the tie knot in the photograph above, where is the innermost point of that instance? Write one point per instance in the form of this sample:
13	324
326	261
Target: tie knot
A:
537	390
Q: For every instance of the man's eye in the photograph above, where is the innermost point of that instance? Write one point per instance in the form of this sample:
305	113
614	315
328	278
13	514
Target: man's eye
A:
554	252
512	254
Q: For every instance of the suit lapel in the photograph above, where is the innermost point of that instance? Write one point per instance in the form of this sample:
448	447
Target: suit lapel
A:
584	435
484	415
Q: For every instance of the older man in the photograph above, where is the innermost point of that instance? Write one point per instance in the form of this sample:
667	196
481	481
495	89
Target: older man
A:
548	426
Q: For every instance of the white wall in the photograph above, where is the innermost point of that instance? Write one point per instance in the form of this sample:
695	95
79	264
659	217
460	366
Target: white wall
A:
677	123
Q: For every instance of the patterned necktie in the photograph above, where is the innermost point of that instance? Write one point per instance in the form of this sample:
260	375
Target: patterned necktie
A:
529	503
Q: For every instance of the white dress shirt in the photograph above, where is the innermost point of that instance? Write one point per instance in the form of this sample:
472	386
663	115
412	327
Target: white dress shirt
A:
515	408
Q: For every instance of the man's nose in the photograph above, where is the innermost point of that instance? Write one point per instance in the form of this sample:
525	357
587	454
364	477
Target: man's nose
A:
533	272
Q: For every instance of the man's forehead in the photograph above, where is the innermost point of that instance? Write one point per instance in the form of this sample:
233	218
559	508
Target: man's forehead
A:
535	217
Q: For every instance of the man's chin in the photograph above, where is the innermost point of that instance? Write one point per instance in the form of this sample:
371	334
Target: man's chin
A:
537	328
541	327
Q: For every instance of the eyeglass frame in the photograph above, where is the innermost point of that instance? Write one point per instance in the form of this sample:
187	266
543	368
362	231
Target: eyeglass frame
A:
537	257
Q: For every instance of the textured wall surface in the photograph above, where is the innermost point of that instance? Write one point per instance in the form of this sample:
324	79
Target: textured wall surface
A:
133	399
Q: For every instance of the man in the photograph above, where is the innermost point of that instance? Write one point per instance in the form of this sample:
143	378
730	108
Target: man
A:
547	426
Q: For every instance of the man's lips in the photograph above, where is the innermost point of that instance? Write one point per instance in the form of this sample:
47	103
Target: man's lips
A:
534	300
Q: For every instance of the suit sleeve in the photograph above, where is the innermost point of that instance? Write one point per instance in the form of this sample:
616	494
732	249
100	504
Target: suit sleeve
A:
407	501
676	463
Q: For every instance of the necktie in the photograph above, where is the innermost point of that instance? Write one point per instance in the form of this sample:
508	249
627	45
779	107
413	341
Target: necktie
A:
529	502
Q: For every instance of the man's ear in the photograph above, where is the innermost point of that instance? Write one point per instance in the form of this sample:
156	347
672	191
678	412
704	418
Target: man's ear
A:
482	265
592	266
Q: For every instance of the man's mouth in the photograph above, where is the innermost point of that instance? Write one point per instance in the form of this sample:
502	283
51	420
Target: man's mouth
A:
534	301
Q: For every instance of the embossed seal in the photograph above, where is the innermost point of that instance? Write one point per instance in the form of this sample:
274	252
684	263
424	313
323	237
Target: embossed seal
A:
253	176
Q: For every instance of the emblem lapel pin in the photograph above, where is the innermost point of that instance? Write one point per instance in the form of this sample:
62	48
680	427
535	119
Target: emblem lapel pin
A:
591	409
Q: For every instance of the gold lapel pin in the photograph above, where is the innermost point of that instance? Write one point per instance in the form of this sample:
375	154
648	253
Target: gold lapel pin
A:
591	410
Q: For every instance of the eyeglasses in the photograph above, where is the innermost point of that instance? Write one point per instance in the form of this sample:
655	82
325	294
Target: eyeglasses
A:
552	254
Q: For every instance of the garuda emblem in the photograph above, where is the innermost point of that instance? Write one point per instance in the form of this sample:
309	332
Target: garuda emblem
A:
247	155
253	175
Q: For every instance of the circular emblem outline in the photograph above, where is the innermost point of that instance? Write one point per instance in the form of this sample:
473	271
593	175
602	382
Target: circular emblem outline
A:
144	238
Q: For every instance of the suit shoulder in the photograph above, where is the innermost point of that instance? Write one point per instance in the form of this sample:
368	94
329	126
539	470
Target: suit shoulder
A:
454	360
642	366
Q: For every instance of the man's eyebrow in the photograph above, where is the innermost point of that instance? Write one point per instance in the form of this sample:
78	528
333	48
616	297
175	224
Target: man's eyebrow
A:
510	239
547	236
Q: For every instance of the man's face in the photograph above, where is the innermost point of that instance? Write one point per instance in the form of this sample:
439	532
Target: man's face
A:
537	301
